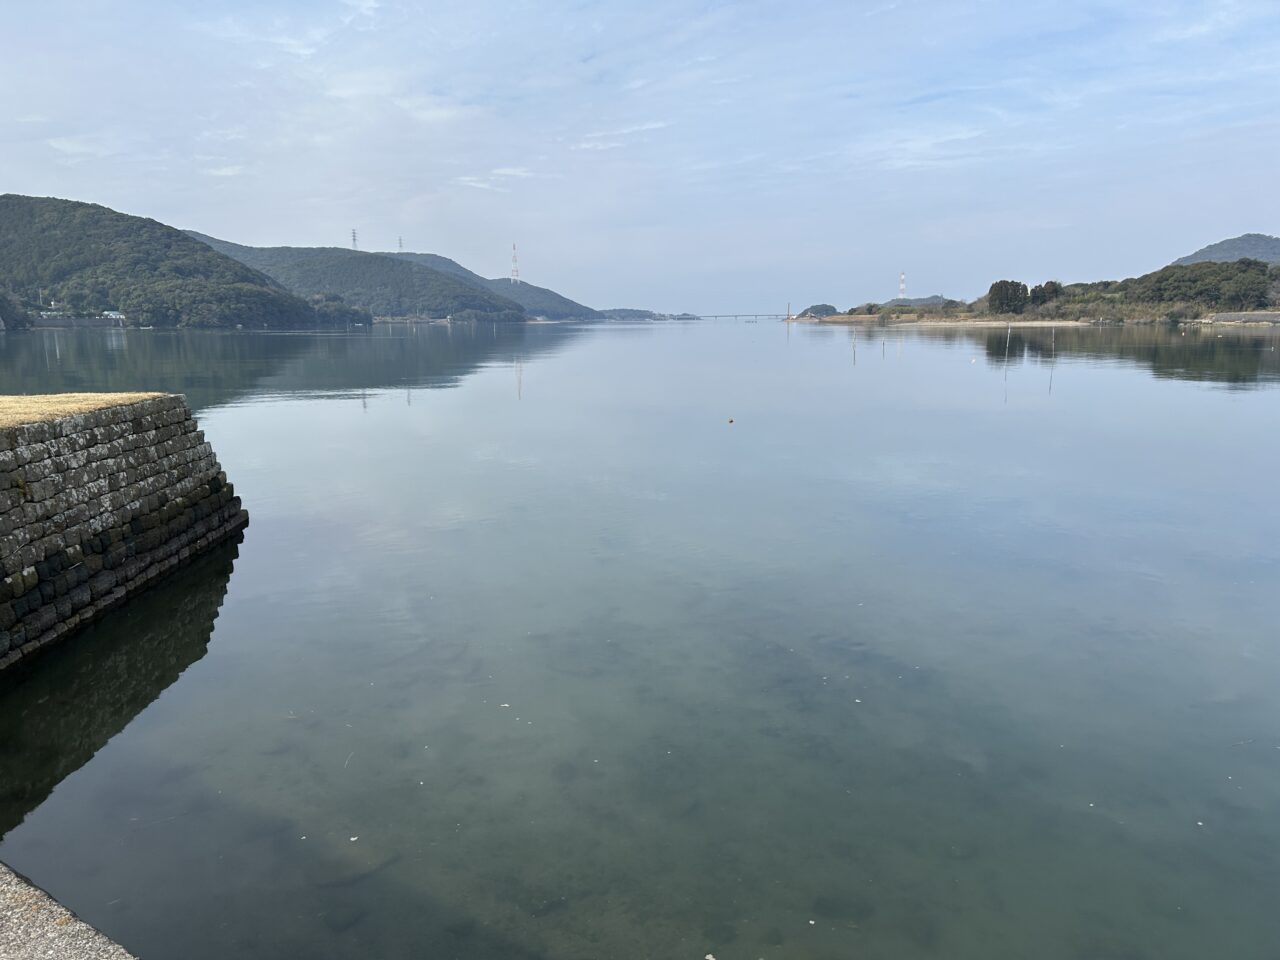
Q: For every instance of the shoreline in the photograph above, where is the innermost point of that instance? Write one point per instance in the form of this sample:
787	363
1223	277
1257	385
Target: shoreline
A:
978	323
1260	320
957	322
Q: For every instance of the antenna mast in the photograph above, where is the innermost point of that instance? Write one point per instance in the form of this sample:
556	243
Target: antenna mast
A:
354	246
400	244
902	285
515	266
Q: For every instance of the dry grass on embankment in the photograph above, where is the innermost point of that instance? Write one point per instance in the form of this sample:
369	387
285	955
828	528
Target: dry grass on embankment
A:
38	408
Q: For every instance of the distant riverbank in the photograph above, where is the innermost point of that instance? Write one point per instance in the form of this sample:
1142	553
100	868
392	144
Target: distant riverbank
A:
1260	318
911	320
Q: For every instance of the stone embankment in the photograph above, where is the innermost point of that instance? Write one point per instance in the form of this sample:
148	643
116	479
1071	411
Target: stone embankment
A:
100	494
1249	317
34	926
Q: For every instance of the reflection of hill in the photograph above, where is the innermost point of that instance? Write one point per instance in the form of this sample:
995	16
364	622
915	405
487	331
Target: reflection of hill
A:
1236	357
209	367
60	710
425	355
213	368
1239	357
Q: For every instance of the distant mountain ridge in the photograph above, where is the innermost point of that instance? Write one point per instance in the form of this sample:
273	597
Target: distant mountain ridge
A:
536	300
1247	246
385	285
91	259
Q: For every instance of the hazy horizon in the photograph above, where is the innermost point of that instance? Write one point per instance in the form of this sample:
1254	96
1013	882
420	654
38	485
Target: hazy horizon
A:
681	157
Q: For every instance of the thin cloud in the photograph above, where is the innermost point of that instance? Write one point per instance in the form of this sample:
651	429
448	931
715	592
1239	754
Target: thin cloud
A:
224	135
302	41
430	110
301	44
597	145
628	131
496	179
481	183
82	146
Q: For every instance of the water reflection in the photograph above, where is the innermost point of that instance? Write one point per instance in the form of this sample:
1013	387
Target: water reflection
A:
1239	357
59	710
886	668
213	368
426	355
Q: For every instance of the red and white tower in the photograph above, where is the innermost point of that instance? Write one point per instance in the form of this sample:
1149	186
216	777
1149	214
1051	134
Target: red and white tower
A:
515	266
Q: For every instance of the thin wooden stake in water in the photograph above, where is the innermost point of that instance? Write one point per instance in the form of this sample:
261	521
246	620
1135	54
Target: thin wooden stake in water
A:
1053	355
1007	337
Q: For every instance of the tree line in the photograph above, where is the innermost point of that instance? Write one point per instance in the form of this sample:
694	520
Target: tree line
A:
1177	292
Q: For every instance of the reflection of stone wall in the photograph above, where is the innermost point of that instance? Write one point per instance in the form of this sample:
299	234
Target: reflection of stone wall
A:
95	506
56	714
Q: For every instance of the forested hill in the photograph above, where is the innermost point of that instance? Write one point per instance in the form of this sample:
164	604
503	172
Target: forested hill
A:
1248	246
537	301
92	259
1177	292
443	264
387	286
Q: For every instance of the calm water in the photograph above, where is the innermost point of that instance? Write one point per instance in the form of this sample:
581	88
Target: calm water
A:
961	646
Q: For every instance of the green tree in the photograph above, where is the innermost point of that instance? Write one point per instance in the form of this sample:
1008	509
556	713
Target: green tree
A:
1245	291
819	310
1007	296
332	311
13	314
1046	292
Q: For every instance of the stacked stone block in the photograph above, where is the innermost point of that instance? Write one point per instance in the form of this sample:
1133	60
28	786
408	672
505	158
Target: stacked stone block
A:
94	507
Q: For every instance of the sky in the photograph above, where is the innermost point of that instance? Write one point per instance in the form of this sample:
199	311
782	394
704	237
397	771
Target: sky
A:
711	157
